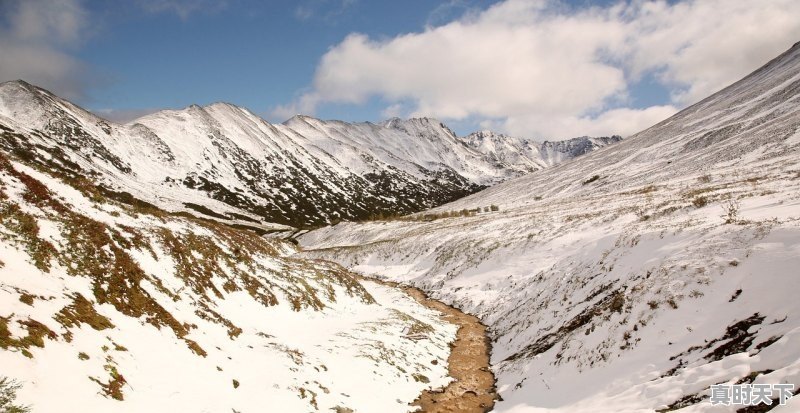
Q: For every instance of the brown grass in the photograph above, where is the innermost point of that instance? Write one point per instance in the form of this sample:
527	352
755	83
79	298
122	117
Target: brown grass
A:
82	311
36	333
233	258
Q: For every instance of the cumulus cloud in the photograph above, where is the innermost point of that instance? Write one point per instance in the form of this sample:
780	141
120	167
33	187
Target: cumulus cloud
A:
543	68
33	37
701	46
620	121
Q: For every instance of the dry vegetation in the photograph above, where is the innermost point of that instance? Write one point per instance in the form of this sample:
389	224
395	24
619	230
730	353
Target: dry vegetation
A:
8	395
209	255
432	216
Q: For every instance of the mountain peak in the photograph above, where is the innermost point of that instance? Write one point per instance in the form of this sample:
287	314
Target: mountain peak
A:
223	105
396	121
485	134
297	118
19	88
34	107
17	82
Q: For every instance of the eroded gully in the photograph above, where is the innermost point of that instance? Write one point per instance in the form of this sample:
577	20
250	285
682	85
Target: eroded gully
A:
473	387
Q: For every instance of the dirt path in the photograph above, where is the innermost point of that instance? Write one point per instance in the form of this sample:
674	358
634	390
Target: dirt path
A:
473	387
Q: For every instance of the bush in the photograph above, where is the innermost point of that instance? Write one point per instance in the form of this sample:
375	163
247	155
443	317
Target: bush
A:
731	211
700	202
8	393
617	302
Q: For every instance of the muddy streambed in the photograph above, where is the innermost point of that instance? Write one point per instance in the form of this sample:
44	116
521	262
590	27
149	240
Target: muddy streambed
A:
473	387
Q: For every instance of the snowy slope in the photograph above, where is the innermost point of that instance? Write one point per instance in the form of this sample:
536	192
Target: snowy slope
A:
106	306
227	163
631	279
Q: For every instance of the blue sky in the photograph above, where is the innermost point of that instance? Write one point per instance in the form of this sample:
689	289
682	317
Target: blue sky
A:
538	68
251	53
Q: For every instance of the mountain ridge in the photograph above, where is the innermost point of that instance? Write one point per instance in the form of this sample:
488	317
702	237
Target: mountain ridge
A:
302	172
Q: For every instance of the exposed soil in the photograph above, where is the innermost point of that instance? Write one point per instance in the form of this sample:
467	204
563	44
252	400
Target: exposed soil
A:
473	387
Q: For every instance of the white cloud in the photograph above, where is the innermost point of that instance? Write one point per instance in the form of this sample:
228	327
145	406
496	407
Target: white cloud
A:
183	8
447	10
395	110
702	46
303	13
304	105
542	68
328	11
619	121
33	35
40	20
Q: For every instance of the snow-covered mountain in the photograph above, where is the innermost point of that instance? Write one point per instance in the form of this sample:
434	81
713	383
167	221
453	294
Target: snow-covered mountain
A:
227	163
525	155
631	279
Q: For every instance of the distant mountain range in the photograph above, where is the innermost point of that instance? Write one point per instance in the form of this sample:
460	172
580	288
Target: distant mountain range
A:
224	162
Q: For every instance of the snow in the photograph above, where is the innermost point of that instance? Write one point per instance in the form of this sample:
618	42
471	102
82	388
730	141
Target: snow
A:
616	293
349	354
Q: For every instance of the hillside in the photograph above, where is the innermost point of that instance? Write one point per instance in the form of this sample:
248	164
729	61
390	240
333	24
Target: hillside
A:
635	277
224	162
112	306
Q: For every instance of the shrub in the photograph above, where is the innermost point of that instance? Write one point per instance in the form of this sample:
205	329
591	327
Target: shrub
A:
700	202
617	303
641	213
672	303
113	388
26	298
696	294
8	393
731	211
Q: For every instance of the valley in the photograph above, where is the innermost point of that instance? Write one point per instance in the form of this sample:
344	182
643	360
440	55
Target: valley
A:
473	387
206	260
633	278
